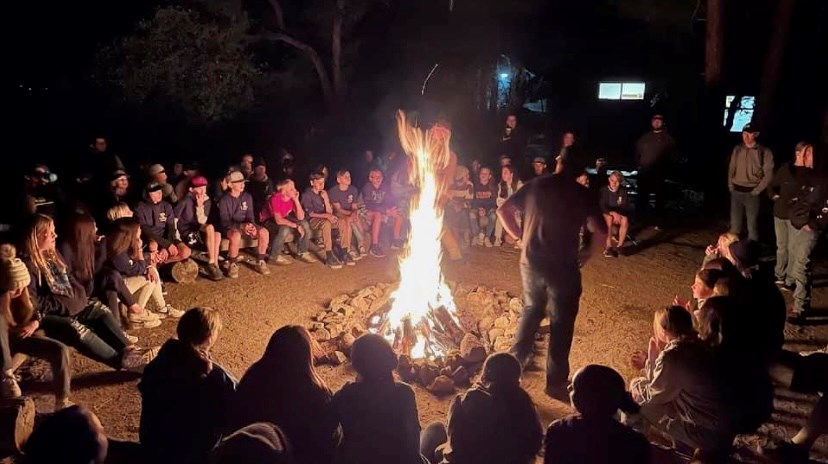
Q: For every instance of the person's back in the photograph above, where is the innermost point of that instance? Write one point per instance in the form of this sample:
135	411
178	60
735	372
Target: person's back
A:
555	208
376	420
600	440
492	428
184	396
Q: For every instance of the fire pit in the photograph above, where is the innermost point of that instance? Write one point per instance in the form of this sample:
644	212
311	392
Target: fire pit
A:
486	322
419	316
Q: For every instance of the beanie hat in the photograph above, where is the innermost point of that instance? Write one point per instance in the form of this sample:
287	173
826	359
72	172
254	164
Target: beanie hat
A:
13	273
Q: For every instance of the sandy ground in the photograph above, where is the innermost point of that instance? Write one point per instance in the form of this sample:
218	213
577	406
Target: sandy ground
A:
618	301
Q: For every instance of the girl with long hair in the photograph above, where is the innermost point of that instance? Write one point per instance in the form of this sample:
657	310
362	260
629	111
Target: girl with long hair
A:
493	422
284	388
19	330
378	415
67	313
125	260
81	250
509	184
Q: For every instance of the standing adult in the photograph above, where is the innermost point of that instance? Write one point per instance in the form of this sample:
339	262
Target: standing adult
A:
512	139
654	153
554	210
749	173
808	219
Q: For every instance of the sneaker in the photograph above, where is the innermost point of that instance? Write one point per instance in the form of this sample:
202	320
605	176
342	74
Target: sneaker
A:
376	251
333	262
169	310
261	267
487	243
346	259
214	273
9	388
608	253
136	359
478	241
397	244
354	255
145	319
307	257
498	243
283	260
132	339
362	251
233	270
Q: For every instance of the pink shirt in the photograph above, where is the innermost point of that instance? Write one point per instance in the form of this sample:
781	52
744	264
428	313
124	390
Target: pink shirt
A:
279	206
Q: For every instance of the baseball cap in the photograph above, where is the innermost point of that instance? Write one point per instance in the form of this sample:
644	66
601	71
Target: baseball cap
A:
539	159
154	187
235	177
155	169
751	127
198	181
118	173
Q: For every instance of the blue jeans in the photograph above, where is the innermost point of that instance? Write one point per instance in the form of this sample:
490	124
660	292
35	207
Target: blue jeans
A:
94	332
780	227
477	222
279	234
800	244
744	204
557	297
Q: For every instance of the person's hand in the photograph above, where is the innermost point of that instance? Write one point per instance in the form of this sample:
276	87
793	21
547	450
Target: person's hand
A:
173	251
807	228
500	201
135	308
160	257
653	349
249	228
615	216
638	359
152	275
200	198
710	250
775	197
301	231
481	212
28	329
332	218
636	396
683	302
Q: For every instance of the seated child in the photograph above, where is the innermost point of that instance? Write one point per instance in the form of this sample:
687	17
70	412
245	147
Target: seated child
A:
343	197
381	206
679	394
483	213
318	207
283	214
460	194
236	219
185	396
615	205
593	435
195	223
158	228
508	185
721	249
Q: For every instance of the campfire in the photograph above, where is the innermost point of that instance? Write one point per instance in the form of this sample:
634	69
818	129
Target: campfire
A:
419	316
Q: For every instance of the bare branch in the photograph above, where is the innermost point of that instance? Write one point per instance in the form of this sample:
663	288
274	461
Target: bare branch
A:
311	54
279	13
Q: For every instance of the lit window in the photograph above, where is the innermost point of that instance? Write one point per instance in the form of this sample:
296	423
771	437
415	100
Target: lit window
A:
621	90
743	112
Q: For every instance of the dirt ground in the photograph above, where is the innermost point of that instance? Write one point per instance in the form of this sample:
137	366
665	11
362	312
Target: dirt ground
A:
618	301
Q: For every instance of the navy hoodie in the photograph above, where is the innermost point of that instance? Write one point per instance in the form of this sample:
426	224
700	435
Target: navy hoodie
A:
233	212
185	212
157	222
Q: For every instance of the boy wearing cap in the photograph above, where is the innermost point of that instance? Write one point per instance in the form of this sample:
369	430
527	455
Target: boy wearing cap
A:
749	174
194	225
157	174
539	166
317	205
483	207
157	220
236	220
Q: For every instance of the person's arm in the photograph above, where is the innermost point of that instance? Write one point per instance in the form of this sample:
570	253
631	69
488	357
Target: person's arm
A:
307	203
185	213
731	168
774	189
411	423
249	217
507	213
604	202
300	210
767	172
458	431
226	214
170	229
7	315
639	147
44	301
665	381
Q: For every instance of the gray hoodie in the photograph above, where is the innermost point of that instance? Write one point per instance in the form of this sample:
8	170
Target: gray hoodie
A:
750	168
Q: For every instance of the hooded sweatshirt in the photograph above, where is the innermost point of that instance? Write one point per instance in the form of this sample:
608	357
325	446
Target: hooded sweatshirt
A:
184	404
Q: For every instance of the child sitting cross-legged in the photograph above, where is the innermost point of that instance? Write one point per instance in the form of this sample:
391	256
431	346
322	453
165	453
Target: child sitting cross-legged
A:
615	207
593	435
318	207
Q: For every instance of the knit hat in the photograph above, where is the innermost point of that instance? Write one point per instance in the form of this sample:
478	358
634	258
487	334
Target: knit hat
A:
155	169
13	273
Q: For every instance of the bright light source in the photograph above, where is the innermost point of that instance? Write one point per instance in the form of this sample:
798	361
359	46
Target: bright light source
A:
504	75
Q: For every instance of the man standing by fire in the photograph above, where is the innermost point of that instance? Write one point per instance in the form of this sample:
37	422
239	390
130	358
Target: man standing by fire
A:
441	134
554	210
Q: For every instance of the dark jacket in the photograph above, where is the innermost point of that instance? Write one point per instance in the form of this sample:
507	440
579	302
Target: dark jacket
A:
655	151
787	183
157	222
486	427
810	205
184	404
48	303
485	196
185	213
603	440
259	190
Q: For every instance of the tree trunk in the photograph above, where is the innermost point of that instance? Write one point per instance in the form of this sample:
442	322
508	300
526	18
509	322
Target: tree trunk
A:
773	60
336	49
713	45
825	130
